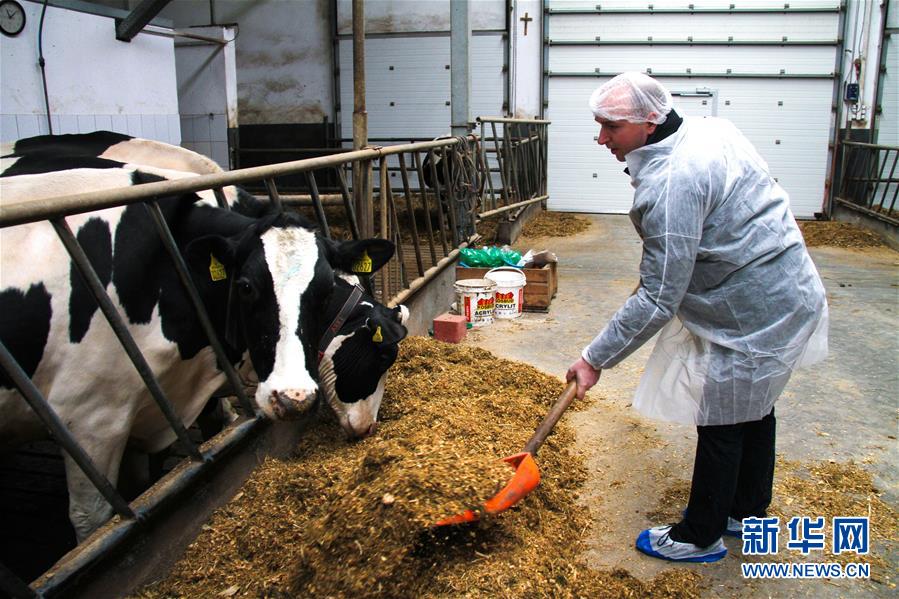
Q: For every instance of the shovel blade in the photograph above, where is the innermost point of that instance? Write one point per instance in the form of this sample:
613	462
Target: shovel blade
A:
525	480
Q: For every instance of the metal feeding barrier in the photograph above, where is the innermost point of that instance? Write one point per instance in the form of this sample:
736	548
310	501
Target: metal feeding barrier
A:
445	184
869	180
518	153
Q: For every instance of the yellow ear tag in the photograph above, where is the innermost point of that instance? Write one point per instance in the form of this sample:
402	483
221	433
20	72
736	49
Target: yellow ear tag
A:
363	264
377	338
216	269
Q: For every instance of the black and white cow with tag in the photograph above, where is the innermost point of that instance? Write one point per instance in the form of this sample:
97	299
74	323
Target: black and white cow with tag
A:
355	360
268	278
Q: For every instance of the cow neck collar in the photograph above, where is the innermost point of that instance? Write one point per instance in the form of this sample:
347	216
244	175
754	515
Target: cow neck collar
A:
348	306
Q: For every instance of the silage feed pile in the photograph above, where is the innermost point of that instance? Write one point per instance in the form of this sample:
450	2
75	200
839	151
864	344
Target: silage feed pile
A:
345	519
838	234
555	224
544	224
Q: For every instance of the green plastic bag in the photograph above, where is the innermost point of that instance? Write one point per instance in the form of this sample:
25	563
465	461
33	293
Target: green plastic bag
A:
489	257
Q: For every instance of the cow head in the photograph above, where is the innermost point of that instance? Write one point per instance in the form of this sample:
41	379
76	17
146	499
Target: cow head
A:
354	363
278	280
353	367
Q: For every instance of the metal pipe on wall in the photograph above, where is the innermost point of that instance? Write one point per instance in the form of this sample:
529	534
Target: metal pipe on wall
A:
837	104
460	65
361	171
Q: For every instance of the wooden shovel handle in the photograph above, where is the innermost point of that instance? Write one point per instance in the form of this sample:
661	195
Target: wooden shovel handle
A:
552	418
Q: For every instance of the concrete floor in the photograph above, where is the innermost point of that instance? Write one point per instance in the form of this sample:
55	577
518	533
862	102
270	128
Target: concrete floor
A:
843	408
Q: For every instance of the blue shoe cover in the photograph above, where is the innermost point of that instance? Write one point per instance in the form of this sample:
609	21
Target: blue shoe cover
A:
655	542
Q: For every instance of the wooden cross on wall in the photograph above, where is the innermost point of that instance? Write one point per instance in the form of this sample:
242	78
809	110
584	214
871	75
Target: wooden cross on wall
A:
526	19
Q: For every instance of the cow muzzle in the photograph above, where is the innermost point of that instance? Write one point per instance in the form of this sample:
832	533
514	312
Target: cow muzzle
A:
290	405
361	431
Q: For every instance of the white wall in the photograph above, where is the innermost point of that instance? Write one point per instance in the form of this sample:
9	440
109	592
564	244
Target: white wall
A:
526	53
283	54
405	16
93	80
207	92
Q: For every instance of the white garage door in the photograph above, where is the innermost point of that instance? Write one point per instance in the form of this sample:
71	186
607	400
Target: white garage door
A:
407	83
771	72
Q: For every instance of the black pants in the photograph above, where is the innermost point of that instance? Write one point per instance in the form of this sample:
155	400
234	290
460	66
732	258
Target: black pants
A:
732	476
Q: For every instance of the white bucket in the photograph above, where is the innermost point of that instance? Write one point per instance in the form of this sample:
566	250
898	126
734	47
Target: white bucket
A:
475	300
509	297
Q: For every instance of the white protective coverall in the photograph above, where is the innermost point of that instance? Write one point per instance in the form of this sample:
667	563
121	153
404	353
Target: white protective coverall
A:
723	253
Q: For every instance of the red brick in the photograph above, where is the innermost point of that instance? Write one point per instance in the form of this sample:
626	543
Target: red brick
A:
450	328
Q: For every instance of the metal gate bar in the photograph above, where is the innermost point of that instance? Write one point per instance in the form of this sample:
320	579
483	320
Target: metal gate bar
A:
521	161
450	195
437	198
171	246
463	170
416	159
410	208
60	433
121	332
347	201
317	203
863	180
273	194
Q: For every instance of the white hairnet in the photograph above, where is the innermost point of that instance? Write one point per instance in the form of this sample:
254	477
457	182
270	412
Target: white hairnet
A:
633	97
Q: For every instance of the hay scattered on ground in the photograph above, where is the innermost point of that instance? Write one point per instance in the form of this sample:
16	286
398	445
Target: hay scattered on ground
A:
670	506
829	489
348	520
838	234
544	224
555	224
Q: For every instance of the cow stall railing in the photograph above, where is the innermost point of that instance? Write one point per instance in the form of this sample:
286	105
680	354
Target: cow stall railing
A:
426	195
869	181
131	518
499	172
515	152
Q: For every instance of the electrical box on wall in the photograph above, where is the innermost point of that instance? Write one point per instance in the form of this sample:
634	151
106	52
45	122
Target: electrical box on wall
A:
852	92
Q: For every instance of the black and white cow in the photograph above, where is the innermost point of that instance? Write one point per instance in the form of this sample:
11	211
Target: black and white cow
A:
356	386
275	270
19	157
354	363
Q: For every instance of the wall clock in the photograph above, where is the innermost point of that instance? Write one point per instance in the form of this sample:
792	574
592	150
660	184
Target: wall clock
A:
12	17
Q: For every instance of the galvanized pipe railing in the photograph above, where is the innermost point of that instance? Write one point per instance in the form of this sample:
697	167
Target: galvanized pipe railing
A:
61	433
35	210
870	180
98	290
57	209
187	281
519	155
453	179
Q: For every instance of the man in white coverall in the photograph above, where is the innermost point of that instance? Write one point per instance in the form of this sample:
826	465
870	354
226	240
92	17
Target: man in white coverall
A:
726	280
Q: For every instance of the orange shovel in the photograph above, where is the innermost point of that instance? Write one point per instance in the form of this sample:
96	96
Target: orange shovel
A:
527	474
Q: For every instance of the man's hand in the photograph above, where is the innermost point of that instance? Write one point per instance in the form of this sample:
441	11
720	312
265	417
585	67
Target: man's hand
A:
586	376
